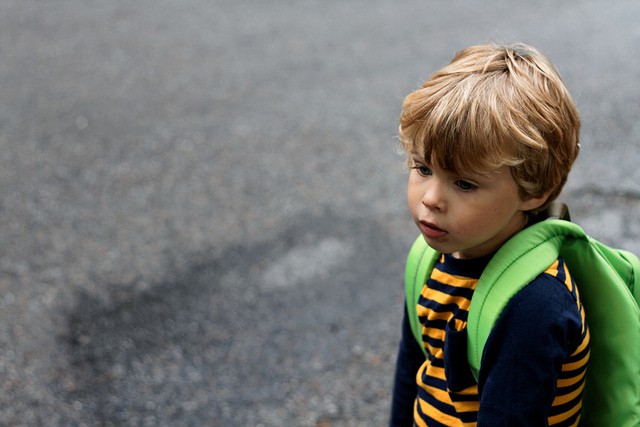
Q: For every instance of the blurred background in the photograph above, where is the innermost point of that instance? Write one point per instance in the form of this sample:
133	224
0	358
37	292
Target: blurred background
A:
202	213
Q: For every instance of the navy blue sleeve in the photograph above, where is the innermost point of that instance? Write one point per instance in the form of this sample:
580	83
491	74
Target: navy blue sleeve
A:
410	359
524	353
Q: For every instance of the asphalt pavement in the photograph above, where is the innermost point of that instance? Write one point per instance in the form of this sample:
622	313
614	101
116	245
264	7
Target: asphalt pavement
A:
202	216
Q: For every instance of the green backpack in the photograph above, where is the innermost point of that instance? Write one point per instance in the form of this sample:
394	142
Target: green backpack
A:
609	283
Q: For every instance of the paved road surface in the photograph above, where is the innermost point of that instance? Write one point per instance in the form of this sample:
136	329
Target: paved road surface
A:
202	214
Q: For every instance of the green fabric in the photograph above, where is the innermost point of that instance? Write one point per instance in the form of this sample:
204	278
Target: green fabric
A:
420	262
607	281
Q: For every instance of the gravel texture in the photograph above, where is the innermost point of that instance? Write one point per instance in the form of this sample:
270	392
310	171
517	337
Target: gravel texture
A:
202	214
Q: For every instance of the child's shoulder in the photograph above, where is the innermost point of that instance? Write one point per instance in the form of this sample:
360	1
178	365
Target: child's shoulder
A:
550	301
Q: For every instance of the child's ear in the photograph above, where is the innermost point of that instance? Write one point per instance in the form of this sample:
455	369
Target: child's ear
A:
535	202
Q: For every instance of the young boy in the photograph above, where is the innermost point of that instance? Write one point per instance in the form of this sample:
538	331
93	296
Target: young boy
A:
490	140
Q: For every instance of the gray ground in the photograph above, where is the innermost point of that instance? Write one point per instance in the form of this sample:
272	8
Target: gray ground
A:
203	217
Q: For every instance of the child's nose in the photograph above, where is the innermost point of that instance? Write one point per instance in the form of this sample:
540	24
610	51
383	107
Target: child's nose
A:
433	197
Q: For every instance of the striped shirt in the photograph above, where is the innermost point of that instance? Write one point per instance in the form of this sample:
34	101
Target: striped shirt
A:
523	365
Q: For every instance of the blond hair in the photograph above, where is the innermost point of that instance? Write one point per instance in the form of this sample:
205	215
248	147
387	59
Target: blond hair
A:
493	106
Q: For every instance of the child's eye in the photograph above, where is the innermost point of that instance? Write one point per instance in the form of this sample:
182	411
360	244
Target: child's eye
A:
423	170
465	185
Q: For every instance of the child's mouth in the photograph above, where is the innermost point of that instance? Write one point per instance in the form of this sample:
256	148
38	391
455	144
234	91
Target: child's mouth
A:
431	231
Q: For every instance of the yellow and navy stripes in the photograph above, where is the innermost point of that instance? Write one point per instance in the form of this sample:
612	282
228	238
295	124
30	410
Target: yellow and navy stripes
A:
449	397
567	405
443	305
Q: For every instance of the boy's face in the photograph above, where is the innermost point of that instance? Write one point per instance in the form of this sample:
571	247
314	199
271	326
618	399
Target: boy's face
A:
467	216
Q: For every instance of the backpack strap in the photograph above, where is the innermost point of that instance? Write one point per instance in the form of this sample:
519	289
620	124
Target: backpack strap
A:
520	260
420	262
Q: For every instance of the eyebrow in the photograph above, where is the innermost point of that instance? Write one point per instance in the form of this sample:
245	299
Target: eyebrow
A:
416	156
